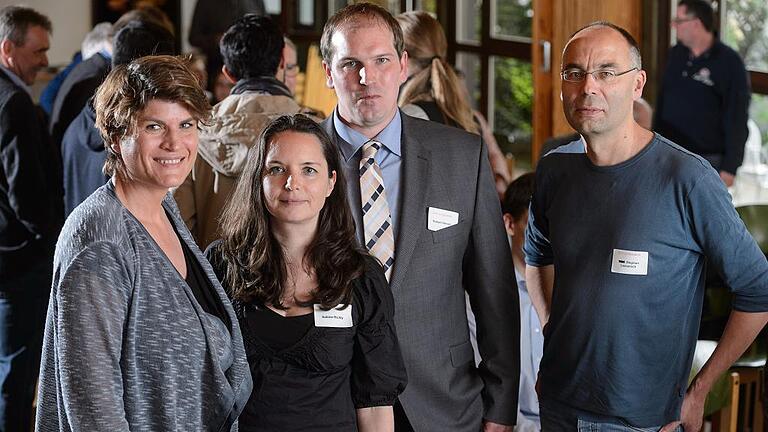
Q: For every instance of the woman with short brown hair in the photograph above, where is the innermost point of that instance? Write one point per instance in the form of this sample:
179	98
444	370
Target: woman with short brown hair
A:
139	334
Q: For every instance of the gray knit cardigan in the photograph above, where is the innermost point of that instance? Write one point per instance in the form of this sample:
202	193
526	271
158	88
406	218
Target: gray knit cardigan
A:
126	345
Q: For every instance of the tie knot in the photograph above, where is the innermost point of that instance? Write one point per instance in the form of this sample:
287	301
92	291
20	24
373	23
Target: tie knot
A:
370	148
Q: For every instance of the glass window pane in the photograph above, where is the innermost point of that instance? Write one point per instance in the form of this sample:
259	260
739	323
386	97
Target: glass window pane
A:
273	7
468	15
746	31
511	113
758	111
335	5
306	13
512	19
468	65
426	5
393	6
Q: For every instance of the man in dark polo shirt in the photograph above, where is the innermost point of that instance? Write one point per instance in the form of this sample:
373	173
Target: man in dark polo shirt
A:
703	102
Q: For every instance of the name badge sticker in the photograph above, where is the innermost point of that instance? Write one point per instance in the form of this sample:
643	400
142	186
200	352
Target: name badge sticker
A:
438	218
336	317
629	262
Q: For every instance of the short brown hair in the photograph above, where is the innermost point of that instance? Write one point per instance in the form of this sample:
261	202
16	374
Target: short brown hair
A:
352	13
128	89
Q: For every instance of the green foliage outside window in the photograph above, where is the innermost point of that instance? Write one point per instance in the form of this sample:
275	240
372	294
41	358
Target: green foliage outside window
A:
513	105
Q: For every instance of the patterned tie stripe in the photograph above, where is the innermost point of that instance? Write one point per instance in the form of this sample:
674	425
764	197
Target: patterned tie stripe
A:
379	238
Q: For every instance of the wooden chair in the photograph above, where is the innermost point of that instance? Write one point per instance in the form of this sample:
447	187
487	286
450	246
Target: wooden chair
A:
722	404
726	418
751	369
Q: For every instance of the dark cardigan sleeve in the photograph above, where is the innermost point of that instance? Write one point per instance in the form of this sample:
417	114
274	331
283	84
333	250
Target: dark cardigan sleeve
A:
378	372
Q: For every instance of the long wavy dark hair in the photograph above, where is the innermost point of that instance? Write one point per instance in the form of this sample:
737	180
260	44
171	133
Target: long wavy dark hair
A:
256	267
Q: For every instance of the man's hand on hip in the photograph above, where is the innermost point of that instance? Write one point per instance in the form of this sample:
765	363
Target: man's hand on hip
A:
691	413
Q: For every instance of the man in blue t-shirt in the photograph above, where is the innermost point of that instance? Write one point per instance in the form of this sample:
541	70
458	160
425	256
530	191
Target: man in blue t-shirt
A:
626	219
703	102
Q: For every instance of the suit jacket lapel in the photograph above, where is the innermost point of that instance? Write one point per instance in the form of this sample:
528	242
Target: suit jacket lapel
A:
413	191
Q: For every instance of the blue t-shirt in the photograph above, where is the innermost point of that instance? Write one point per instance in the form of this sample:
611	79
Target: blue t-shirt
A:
628	243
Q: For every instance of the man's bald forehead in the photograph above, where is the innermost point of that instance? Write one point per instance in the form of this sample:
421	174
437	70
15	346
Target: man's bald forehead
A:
629	40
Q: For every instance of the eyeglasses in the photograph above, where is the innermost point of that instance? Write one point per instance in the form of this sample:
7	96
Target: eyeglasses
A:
682	20
600	75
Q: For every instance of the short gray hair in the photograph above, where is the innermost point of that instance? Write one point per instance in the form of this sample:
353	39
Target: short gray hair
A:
16	20
96	39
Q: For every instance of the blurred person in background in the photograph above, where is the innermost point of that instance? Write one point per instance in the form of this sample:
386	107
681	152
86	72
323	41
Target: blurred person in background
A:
289	69
80	85
95	41
30	211
210	21
435	92
703	100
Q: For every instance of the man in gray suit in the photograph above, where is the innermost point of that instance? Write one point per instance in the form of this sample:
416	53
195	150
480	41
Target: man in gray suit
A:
425	206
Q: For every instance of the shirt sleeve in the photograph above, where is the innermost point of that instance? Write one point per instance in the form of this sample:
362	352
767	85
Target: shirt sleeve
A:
727	244
537	249
735	118
378	371
89	317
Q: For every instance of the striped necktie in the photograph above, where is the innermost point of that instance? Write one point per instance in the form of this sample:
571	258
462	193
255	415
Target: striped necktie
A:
379	238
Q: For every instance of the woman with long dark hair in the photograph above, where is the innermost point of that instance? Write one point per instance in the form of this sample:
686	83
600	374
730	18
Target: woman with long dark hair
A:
316	310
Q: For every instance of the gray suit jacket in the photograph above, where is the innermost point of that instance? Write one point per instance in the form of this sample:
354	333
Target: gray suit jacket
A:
448	168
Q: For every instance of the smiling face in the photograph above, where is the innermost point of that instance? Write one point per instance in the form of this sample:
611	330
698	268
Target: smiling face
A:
27	59
593	107
161	152
366	72
296	180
